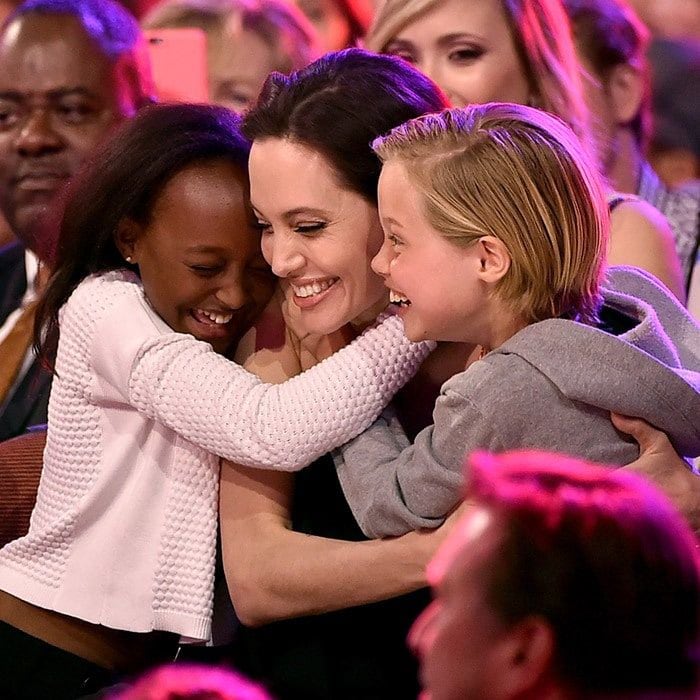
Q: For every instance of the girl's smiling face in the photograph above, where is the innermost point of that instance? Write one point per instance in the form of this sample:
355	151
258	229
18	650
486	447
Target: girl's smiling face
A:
434	282
199	254
318	236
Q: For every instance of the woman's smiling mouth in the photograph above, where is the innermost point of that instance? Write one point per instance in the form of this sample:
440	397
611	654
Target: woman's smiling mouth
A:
312	291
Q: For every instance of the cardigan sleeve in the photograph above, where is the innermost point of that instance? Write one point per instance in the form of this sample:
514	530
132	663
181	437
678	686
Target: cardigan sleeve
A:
181	382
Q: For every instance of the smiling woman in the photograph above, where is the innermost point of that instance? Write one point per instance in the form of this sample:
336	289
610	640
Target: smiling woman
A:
290	549
319	244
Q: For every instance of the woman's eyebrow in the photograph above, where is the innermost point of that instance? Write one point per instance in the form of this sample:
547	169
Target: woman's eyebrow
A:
305	210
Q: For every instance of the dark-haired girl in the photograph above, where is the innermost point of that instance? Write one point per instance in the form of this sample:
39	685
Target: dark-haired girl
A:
157	236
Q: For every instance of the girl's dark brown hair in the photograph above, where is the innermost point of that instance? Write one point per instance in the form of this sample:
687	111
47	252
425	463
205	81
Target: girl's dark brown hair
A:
123	180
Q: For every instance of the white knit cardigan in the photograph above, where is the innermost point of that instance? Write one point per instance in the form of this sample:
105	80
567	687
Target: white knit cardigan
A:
124	529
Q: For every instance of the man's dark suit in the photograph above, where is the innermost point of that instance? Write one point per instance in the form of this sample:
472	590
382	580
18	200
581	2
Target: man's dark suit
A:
29	403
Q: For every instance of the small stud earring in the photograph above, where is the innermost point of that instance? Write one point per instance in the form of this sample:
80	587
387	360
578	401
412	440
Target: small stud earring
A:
128	259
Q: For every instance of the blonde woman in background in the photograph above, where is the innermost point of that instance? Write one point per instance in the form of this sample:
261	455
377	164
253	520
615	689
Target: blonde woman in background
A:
246	40
519	51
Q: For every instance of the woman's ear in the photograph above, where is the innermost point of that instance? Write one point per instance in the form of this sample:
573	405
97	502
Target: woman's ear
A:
625	88
128	233
494	259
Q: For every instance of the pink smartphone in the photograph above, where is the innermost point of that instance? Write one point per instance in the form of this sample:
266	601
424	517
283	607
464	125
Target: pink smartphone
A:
179	64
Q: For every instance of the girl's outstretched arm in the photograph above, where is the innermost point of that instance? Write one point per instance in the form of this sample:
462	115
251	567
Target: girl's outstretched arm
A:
218	405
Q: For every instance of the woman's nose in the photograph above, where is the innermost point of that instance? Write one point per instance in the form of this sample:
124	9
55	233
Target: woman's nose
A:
283	254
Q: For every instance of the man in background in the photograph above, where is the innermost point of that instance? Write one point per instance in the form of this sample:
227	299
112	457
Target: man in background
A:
70	72
564	581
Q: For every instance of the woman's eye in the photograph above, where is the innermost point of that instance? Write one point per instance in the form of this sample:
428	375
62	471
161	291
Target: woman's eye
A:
465	55
394	240
400	52
405	56
310	228
263	226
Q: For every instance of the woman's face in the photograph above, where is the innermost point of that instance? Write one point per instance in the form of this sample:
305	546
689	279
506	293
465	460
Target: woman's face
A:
238	61
317	235
199	256
329	21
466	47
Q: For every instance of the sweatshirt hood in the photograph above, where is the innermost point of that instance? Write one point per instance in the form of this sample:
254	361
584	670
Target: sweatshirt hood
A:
649	369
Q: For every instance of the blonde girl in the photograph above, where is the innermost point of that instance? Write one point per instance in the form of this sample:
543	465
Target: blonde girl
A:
500	208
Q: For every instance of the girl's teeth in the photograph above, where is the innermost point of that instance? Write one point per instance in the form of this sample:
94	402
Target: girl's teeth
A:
309	290
396	298
219	319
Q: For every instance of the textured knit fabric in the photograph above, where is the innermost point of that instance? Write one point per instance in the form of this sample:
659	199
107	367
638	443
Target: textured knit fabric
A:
550	387
681	206
124	529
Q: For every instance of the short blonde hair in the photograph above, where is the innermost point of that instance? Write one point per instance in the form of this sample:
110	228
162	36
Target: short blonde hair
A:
290	36
543	41
520	175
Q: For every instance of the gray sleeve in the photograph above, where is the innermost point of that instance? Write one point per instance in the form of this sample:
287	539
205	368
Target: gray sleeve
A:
393	488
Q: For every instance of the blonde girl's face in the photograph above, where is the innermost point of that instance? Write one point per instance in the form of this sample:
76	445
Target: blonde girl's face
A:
466	47
433	281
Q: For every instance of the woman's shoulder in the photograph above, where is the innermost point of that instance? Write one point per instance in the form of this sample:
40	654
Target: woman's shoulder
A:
641	236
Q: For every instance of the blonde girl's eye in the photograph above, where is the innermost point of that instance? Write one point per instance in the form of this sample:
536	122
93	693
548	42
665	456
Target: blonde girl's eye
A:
401	51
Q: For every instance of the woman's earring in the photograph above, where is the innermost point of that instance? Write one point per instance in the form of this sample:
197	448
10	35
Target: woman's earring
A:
128	259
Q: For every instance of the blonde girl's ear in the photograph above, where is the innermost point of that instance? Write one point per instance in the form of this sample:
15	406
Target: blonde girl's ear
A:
128	232
494	259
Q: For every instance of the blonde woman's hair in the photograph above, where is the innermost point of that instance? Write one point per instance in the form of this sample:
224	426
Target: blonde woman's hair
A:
543	41
290	36
520	175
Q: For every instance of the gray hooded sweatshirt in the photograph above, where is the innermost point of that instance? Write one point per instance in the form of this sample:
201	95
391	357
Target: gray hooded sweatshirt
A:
550	387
